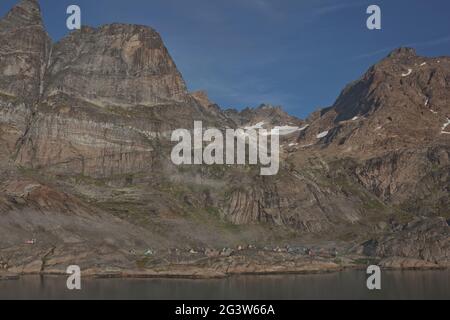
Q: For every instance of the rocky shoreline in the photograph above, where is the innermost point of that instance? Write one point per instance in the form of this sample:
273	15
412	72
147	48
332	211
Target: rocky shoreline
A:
236	265
419	245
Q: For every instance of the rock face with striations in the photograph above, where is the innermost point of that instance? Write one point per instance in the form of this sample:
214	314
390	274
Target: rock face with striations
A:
76	91
119	65
25	48
425	239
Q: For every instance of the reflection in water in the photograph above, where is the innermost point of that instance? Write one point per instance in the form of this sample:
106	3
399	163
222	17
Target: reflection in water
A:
343	285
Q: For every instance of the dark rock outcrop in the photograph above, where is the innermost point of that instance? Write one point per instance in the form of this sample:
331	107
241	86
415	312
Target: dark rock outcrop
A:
426	239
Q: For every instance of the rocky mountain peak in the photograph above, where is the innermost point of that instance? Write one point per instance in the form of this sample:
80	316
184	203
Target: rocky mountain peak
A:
403	52
202	98
26	12
265	114
413	78
397	58
85	63
114	65
25	48
399	103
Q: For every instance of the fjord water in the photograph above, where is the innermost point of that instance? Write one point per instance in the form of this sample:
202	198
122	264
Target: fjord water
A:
343	285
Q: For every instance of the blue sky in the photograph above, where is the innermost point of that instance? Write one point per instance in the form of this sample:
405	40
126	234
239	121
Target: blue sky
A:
294	53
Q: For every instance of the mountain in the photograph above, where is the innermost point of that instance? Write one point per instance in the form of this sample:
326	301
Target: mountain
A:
394	120
25	49
115	65
86	123
269	115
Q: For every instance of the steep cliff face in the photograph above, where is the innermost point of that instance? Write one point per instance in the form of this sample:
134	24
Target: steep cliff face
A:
115	65
25	48
95	103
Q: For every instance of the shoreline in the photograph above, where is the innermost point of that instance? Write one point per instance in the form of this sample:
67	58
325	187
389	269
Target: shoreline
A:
102	274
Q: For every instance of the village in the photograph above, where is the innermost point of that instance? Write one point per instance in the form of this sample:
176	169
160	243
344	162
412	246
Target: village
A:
243	249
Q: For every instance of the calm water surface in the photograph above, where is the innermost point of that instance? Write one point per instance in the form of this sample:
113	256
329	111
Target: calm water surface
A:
343	285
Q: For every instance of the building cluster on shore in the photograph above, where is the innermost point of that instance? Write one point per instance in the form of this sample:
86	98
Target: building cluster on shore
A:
226	251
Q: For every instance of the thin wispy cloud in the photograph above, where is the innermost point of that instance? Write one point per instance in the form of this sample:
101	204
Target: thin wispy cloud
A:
333	8
263	5
267	8
430	43
319	11
420	44
374	53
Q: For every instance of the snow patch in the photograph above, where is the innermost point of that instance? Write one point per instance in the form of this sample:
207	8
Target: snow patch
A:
355	118
445	126
407	74
279	130
322	134
259	125
432	111
303	128
285	130
423	64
